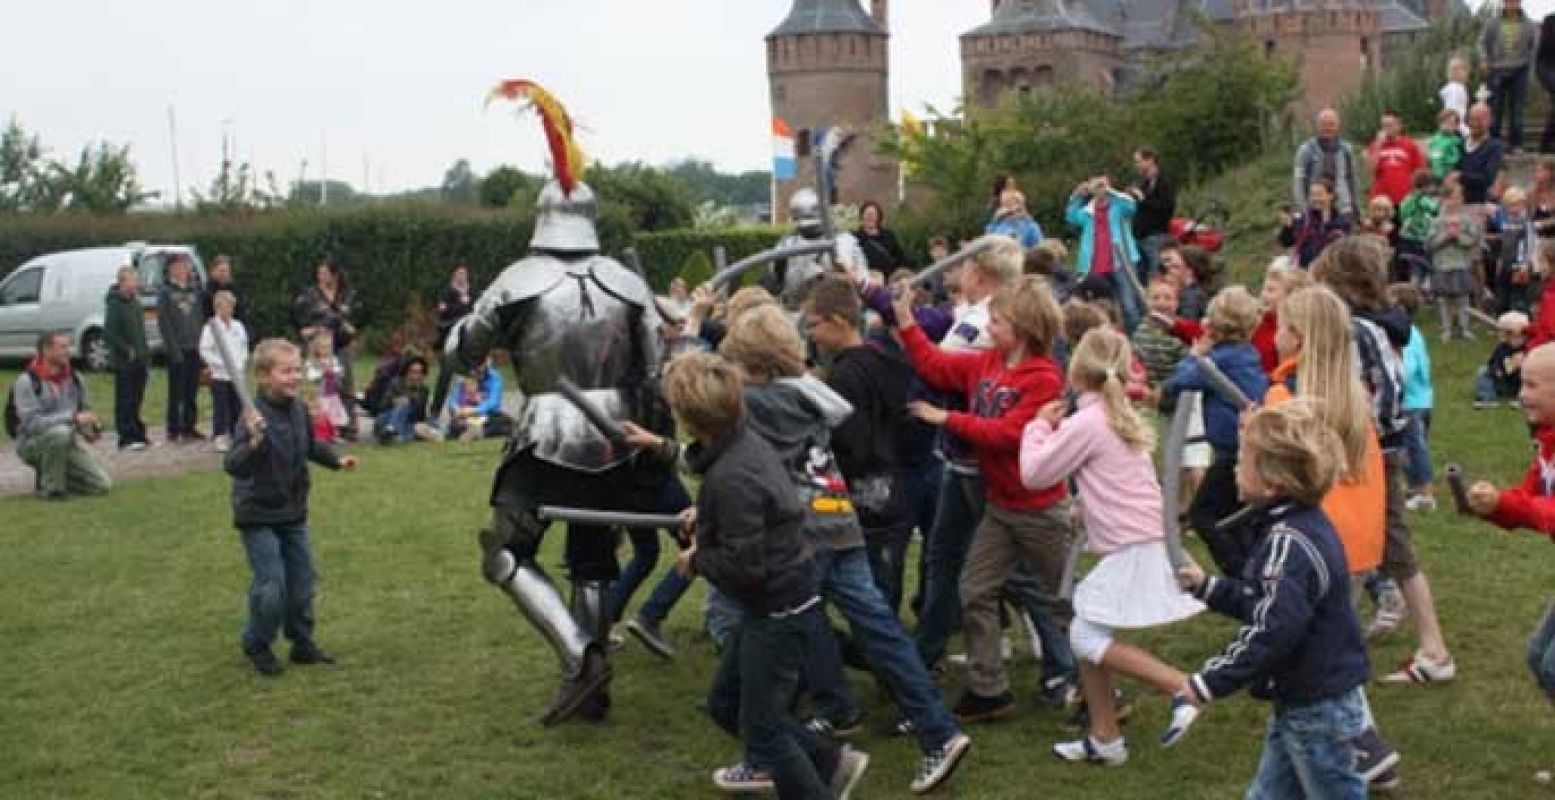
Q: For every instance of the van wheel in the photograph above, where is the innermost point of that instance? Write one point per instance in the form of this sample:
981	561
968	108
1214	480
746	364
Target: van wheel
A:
94	352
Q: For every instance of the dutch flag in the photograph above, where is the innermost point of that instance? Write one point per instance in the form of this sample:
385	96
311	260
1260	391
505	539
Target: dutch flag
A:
785	166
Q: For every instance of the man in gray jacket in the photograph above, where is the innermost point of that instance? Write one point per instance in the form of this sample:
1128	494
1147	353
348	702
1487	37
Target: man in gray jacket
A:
54	424
1326	155
1506	48
180	317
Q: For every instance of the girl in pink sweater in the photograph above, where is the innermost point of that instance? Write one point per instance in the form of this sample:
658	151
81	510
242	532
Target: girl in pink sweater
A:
1105	446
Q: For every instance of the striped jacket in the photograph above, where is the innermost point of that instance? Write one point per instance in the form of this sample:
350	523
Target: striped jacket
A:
1300	641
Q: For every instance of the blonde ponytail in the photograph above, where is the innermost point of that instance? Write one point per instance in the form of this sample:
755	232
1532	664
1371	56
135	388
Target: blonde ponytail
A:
1098	364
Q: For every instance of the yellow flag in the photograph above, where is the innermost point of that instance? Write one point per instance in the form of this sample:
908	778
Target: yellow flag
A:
911	125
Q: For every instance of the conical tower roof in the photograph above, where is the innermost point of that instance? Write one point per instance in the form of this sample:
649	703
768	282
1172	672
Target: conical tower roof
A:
827	16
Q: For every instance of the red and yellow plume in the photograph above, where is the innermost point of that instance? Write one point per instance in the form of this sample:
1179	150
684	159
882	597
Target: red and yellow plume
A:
566	158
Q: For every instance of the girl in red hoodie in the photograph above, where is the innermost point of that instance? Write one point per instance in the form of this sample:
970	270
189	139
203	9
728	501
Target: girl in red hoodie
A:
1543	329
1004	388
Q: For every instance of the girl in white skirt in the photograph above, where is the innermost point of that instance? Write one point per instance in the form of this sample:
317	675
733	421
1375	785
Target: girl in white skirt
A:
1105	447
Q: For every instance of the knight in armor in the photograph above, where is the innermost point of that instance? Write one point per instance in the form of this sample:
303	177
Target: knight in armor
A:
564	310
791	280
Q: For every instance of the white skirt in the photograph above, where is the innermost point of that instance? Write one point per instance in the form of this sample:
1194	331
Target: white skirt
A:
1134	588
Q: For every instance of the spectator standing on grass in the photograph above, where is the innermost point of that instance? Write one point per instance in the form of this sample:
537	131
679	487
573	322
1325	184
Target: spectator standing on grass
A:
1104	217
1157	197
457	299
268	463
1457	237
224	396
1506	47
1419	400
1320	223
1480	168
220	280
124	333
1327	157
180	317
326	308
54	424
1395	158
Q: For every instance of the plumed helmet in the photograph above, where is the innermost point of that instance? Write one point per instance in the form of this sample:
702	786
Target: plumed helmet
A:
565	222
804	210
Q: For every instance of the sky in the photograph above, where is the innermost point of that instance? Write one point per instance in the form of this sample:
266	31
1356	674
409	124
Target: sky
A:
388	95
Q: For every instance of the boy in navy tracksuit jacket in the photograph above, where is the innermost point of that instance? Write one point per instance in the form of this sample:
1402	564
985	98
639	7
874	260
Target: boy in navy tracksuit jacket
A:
1232	316
1300	645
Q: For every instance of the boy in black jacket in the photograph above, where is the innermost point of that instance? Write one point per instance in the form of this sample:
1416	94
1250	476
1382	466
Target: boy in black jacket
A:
747	542
1300	645
268	463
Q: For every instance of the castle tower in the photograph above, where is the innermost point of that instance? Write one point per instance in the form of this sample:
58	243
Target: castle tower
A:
828	64
1028	44
1335	42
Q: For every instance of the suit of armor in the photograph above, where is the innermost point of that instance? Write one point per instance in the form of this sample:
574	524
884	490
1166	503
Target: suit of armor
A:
790	280
562	311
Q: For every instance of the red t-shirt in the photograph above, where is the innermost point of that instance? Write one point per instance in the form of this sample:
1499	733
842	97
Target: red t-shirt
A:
1396	164
1101	236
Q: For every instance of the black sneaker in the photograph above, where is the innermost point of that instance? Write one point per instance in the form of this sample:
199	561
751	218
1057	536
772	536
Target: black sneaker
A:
647	631
836	729
307	654
264	661
593	677
1386	781
974	708
1374	758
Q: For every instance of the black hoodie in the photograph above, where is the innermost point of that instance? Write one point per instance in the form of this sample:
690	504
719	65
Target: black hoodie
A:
270	483
876	384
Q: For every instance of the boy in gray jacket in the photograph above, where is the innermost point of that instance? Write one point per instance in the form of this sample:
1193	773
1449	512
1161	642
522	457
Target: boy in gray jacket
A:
180	317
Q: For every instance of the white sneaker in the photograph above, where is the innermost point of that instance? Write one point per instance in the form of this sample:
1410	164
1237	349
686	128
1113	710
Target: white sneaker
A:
222	444
1419	669
1184	714
1006	652
1420	502
427	433
742	778
1090	751
135	447
850	770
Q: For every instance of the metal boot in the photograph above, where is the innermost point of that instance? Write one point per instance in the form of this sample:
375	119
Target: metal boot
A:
588	608
584	666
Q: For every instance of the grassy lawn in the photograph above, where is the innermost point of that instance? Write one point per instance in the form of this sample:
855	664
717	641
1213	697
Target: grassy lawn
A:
123	677
99	390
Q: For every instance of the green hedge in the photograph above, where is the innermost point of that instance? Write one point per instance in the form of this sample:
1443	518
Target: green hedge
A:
396	256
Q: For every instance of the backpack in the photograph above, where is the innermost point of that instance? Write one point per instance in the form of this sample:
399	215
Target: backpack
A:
13	420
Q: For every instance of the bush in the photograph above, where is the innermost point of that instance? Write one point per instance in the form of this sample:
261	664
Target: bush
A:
1410	79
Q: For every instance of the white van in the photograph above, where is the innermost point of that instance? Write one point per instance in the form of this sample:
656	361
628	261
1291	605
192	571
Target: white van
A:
67	292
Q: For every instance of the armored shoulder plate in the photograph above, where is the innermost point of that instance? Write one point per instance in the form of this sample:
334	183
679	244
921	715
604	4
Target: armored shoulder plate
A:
617	279
530	276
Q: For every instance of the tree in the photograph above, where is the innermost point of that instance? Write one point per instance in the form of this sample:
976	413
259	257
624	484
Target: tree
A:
704	183
103	181
499	187
652	200
459	183
235	190
21	168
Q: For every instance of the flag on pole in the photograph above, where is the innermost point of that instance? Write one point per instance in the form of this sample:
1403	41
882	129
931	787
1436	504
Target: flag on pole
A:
785	166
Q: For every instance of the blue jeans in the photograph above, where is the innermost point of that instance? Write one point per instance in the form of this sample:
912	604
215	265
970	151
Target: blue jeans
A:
1486	389
751	694
1541	654
1417	448
1128	301
887	551
923	487
397	418
1508	91
281	594
1307	753
722	618
846	583
961	505
669	497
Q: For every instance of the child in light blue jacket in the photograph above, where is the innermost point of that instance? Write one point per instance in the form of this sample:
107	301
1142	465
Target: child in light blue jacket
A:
1419	399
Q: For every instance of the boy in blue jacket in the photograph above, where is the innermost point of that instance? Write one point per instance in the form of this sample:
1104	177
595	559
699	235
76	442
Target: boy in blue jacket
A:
1232	315
1300	645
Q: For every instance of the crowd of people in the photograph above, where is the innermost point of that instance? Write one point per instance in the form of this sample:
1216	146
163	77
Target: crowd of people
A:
1003	412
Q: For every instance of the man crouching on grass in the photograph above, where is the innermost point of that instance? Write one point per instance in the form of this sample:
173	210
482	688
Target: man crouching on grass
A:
748	543
268	463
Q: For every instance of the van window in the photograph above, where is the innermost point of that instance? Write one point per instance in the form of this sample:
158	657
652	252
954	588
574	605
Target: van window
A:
23	287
